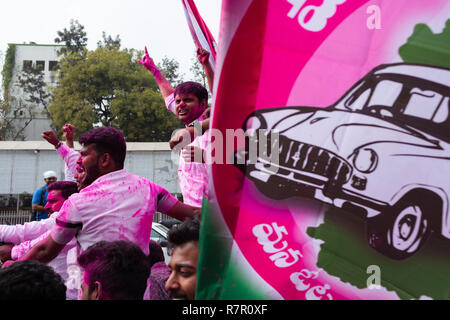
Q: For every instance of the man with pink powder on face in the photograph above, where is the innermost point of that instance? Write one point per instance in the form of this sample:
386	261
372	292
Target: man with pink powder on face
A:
32	233
114	205
189	102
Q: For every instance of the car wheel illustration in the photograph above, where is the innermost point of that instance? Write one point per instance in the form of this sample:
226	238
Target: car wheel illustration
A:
400	232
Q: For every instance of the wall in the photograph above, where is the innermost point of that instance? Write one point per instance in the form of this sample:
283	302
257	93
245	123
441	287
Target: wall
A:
23	163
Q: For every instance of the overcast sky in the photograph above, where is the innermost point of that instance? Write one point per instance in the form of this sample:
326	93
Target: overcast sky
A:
159	24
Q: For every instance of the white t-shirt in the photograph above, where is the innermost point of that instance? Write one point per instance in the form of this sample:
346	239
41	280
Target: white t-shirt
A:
192	176
116	206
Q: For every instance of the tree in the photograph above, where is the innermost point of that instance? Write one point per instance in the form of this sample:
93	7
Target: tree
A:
31	81
198	72
74	39
170	69
109	43
110	88
20	109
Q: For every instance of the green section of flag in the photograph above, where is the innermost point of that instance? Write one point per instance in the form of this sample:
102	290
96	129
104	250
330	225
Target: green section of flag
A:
347	255
428	48
219	276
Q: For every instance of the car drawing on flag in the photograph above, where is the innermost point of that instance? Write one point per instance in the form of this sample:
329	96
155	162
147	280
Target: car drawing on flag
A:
382	150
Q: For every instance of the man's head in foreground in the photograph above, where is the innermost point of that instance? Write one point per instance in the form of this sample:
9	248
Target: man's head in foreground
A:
58	192
114	271
104	150
31	280
191	100
183	242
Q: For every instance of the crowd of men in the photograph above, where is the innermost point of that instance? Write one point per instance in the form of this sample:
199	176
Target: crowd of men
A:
90	234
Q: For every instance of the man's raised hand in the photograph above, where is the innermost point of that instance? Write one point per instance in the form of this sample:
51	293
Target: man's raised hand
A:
51	137
148	63
68	133
202	56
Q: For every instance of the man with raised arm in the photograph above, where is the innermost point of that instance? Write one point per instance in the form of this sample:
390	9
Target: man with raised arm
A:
188	101
66	151
114	205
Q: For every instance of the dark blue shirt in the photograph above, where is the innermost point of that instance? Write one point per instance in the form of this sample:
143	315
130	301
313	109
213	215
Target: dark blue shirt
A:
40	215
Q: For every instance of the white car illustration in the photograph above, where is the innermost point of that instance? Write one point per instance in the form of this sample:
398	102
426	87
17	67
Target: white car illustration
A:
382	150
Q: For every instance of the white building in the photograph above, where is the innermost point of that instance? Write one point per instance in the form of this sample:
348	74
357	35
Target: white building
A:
44	57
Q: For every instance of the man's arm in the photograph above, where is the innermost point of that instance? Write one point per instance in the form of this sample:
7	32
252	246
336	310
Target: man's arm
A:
45	251
164	85
68	133
182	211
19	250
69	156
182	134
37	207
171	206
203	57
28	231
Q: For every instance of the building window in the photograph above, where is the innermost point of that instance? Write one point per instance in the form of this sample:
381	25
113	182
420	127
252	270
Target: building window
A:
40	65
52	65
27	64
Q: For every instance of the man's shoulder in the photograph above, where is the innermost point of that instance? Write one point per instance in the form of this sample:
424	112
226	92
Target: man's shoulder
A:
39	190
135	177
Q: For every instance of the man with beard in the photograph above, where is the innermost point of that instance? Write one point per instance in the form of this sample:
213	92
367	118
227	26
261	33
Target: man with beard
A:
183	244
114	205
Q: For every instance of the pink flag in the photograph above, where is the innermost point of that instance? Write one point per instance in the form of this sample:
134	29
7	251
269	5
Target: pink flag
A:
200	32
339	184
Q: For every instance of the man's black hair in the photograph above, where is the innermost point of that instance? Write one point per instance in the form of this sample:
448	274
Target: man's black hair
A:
31	280
156	253
191	87
107	140
67	188
184	232
121	267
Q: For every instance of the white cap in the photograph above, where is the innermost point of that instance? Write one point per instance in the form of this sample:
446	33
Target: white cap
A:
49	174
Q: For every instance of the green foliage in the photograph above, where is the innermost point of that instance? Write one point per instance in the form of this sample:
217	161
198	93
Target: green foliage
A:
109	87
18	112
170	69
109	43
31	80
198	72
428	48
74	39
8	67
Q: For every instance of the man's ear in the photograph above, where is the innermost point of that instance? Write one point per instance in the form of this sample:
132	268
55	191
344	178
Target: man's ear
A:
106	160
97	292
204	103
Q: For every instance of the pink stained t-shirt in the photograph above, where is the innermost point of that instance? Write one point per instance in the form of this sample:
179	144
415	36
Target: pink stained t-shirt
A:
192	176
116	206
70	157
